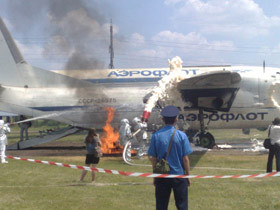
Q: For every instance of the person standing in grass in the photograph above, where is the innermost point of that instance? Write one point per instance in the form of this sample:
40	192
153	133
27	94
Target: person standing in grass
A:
24	128
93	147
274	150
177	159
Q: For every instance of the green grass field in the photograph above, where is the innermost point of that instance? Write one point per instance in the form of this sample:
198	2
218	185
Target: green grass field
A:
26	185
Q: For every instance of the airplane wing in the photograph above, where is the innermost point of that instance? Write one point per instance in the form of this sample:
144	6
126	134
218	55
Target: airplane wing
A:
211	91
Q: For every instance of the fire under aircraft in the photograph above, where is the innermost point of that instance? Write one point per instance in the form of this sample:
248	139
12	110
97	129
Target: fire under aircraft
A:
222	96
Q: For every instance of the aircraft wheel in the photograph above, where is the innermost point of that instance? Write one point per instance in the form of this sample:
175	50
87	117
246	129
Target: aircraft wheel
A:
206	140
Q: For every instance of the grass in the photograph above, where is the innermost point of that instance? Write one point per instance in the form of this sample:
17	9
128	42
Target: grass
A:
26	185
236	135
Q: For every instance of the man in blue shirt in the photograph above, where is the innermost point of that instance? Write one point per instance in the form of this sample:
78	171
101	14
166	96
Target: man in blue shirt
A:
178	161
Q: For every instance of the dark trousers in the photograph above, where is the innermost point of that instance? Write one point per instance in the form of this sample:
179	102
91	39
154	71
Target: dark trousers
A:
273	151
24	130
163	189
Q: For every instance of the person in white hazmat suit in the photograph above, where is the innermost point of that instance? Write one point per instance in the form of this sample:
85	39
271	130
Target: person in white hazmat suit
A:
125	137
4	128
141	134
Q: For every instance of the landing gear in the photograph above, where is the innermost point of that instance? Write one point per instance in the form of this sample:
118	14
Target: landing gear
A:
191	135
206	140
203	138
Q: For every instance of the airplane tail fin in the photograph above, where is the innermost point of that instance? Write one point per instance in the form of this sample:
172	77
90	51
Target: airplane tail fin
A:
10	43
10	56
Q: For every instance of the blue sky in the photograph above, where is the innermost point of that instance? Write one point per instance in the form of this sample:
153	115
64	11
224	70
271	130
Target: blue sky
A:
75	33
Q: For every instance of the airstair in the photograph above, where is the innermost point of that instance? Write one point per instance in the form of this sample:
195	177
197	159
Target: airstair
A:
50	136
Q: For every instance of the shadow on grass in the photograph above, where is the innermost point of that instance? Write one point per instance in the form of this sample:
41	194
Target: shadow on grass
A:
195	158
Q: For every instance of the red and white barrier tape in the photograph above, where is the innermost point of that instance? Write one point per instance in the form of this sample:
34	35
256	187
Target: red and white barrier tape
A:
149	175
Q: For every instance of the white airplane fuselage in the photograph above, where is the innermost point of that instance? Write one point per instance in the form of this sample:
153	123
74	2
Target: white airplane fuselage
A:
124	90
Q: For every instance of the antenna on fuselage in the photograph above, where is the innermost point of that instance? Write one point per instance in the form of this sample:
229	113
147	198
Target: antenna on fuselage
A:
111	49
263	66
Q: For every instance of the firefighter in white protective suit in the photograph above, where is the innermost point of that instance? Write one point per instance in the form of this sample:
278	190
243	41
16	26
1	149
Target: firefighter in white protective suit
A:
125	136
125	132
141	136
4	128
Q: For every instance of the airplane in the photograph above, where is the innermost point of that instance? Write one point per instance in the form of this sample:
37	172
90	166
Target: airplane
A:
223	96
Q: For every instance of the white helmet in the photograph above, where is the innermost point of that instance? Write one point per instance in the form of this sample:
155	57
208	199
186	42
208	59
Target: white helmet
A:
124	121
1	122
136	120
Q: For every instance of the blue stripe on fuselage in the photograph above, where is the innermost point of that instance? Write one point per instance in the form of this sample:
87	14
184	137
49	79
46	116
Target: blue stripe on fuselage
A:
56	108
123	80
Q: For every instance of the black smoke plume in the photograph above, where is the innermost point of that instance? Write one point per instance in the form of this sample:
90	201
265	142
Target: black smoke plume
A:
78	31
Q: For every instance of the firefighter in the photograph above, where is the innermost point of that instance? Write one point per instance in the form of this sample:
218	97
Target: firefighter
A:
141	135
125	132
4	128
125	137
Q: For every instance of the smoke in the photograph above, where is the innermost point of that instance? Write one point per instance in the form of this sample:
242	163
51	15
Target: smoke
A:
78	31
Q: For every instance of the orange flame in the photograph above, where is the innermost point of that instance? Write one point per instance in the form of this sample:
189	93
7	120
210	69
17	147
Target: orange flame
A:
109	136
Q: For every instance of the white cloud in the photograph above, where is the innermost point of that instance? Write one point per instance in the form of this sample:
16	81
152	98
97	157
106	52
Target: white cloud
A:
137	40
191	41
239	17
190	47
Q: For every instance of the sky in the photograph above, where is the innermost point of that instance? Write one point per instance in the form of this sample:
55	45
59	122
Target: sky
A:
74	34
